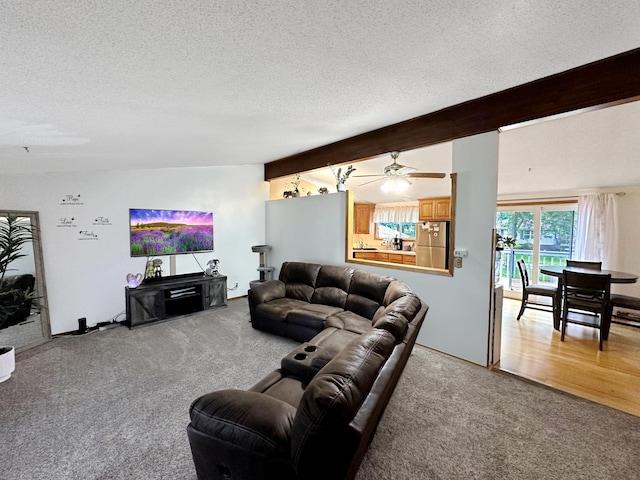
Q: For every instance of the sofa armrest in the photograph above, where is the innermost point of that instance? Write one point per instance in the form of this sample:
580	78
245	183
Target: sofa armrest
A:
265	292
243	433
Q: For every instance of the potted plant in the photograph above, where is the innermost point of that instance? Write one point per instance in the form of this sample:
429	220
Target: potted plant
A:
14	234
296	186
502	243
341	177
7	362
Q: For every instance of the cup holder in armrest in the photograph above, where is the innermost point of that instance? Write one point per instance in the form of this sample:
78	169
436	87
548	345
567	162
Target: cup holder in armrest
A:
305	361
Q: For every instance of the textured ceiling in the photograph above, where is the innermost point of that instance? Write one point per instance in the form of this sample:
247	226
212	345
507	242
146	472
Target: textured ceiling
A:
121	84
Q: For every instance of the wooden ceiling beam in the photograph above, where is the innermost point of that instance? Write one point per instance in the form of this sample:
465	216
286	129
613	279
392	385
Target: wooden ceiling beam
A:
607	81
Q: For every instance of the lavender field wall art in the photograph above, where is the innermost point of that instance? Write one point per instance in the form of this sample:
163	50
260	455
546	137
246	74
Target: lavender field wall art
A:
170	232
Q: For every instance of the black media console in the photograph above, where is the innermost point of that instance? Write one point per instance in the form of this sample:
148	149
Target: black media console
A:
174	296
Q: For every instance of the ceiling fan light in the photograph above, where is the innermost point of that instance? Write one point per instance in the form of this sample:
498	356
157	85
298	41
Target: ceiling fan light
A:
395	185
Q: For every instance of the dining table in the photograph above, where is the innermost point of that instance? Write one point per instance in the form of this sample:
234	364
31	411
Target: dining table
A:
556	271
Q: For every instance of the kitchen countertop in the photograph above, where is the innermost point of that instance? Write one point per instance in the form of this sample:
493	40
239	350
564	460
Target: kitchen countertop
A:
384	250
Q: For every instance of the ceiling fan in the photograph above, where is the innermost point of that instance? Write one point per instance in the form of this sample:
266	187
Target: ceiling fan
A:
399	174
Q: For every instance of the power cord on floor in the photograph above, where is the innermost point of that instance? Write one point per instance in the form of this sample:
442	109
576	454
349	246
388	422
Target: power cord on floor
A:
229	289
98	327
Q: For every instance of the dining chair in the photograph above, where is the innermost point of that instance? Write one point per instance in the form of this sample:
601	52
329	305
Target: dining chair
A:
584	264
534	289
586	292
622	301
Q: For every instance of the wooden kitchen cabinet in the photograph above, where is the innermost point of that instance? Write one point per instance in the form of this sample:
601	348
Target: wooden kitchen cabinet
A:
434	209
362	217
389	257
395	257
409	259
365	255
382	257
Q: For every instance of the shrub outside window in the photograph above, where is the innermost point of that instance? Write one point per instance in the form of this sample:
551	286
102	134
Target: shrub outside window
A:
389	230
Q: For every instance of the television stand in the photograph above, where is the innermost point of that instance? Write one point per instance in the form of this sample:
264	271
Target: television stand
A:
172	297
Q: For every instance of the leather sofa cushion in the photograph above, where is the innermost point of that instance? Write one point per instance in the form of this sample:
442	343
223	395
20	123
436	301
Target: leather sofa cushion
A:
395	323
278	384
369	285
366	293
268	291
299	291
333	276
312	315
329	296
25	283
300	279
22	282
332	340
349	321
396	290
277	310
408	305
320	447
363	306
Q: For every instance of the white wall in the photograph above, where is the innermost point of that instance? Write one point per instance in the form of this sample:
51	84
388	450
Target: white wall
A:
86	276
313	229
307	229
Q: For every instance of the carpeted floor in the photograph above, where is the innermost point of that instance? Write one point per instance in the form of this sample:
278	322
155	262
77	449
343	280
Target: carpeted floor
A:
114	405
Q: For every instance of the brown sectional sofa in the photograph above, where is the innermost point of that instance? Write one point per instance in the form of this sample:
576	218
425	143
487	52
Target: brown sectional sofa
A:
314	417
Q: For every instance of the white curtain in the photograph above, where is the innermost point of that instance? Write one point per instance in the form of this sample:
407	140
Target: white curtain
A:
396	213
597	229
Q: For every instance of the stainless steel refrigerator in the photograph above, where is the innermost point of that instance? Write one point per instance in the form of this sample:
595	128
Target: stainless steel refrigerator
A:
432	244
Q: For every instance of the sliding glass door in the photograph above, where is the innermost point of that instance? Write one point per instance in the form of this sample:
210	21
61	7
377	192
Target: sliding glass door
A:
545	235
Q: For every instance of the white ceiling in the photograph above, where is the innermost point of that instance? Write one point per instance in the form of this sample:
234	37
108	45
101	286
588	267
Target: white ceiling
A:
120	84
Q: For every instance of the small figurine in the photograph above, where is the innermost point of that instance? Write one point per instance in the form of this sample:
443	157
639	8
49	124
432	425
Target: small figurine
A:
157	267
212	271
149	272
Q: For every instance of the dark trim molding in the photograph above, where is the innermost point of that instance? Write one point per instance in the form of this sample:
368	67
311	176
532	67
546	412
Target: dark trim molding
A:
603	82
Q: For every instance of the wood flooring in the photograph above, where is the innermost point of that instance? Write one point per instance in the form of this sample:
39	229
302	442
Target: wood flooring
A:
532	349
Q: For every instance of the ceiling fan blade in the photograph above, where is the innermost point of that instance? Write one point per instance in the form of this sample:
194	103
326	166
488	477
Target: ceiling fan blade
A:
367	183
361	176
426	175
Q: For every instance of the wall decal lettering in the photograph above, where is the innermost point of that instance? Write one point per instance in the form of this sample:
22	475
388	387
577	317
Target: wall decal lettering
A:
66	222
101	221
71	200
87	235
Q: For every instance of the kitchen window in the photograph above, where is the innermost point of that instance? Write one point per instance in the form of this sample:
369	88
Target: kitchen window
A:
396	220
390	230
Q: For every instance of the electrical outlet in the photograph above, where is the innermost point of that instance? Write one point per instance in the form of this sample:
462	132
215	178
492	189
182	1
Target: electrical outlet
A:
457	262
